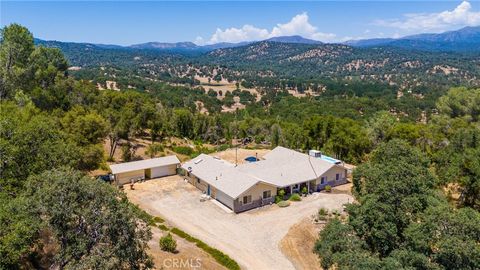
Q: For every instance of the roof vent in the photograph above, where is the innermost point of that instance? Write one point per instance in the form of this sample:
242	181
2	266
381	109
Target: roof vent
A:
198	161
315	153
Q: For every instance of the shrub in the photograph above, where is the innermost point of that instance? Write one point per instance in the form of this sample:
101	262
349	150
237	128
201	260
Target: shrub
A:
223	147
128	152
322	212
183	150
183	234
278	199
162	227
305	190
167	243
283	204
146	217
154	149
281	193
295	197
328	188
158	220
219	256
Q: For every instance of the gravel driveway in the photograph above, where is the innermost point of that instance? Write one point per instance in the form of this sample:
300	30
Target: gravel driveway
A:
252	238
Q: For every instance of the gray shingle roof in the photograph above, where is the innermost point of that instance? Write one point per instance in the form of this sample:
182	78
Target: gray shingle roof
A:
220	174
281	167
144	164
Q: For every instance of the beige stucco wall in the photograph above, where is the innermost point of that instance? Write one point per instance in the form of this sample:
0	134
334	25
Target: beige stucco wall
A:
331	174
124	178
257	191
192	179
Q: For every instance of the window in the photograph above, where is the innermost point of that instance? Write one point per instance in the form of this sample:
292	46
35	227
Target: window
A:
323	180
337	176
295	186
267	194
198	180
247	199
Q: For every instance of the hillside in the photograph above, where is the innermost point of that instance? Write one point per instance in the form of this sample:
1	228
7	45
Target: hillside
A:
466	39
269	59
381	64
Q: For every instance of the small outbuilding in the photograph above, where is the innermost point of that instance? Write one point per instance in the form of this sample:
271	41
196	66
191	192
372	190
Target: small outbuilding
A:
127	172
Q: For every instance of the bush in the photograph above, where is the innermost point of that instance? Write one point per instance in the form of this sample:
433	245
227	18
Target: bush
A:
295	197
219	256
304	190
283	204
183	150
322	212
328	188
146	217
158	220
163	227
278	199
223	147
167	243
127	152
154	149
281	193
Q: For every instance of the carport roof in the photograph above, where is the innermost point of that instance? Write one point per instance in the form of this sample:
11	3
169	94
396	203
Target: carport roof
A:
144	164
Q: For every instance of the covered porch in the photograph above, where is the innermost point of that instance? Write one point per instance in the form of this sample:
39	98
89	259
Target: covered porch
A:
303	187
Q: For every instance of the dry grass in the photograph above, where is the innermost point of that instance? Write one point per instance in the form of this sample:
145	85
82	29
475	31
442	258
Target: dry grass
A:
298	245
188	256
229	154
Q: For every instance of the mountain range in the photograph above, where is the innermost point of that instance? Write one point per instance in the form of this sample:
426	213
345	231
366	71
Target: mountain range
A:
192	46
462	40
465	39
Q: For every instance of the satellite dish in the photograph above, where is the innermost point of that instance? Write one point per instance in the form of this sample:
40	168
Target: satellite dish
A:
189	169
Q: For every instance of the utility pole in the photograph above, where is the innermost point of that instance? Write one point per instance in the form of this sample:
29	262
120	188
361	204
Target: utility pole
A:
236	140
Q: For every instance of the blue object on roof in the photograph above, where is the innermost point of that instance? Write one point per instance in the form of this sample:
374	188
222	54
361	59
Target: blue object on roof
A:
330	159
251	159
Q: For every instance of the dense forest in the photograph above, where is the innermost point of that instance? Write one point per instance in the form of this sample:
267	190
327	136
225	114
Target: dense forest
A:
417	186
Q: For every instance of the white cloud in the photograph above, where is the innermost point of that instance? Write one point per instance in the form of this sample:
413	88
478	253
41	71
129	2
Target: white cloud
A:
247	32
298	25
461	16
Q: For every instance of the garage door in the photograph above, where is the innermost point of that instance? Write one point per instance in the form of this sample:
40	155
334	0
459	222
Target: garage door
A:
163	171
224	199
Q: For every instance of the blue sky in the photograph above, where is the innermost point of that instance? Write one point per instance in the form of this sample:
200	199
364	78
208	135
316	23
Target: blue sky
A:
233	21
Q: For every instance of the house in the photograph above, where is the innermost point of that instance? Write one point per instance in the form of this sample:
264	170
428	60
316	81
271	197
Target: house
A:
254	184
144	169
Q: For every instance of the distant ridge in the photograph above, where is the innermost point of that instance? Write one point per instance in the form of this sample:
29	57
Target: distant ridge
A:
462	40
294	39
466	39
165	45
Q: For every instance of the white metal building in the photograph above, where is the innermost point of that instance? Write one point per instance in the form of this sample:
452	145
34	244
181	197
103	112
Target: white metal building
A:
144	169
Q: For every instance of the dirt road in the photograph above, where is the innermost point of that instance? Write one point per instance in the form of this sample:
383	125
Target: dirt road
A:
251	238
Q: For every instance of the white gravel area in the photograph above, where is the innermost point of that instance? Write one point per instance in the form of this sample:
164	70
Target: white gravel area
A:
251	238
